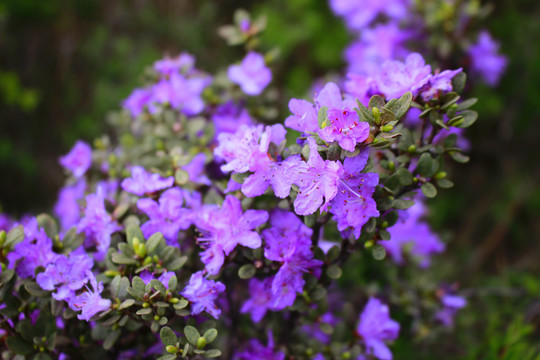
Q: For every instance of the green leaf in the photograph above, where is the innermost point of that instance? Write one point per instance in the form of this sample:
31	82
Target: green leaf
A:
378	252
176	264
48	224
144	311
424	166
14	235
111	339
212	353
133	231
210	335
469	118
429	190
385	235
402	204
466	104
167	357
168	337
153	242
18	345
126	304
126	249
400	106
458	82
173	283
364	112
246	271
375	101
192	334
334	272
138	286
158	286
459	157
333	253
36	290
119	258
181	177
334	152
322	116
404	176
444	183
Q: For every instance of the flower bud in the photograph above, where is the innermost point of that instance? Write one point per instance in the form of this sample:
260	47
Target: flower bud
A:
145	305
111	273
171	349
440	175
141	251
2	237
377	115
387	128
201	343
411	148
156	318
174	300
391	165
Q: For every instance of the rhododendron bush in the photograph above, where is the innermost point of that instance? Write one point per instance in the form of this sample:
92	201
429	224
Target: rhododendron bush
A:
204	226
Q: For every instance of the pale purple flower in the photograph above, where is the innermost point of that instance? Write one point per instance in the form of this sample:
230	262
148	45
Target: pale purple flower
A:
439	84
97	225
66	275
183	63
225	228
164	278
89	302
67	207
345	127
359	14
137	101
413	233
376	327
359	86
78	160
260	299
353	204
202	294
486	60
228	117
394	78
168	216
256	350
142	182
376	45
35	250
451	305
181	93
238	148
252	74
195	169
318	183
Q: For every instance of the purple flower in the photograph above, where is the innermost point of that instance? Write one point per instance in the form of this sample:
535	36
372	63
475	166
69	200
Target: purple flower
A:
412	232
142	182
288	241
89	302
353	205
376	45
256	350
252	75
79	159
182	63
451	305
238	148
394	78
439	84
97	224
35	250
168	216
181	93
228	117
225	228
318	183
345	127
66	275
202	293
5	222
359	14
486	60
376	327
260	299
195	169
164	278
359	86
67	206
137	101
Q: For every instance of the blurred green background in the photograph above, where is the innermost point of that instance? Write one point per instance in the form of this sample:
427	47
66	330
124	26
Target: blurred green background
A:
65	64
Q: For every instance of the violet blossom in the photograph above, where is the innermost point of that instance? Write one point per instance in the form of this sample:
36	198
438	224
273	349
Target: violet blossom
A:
202	294
67	207
252	74
142	182
486	60
78	160
375	327
89	302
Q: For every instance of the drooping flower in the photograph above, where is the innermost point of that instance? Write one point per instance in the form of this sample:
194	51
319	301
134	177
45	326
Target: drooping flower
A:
35	250
66	275
260	299
202	293
394	78
228	117
288	241
486	60
168	216
67	206
97	225
78	160
225	228
252	74
142	182
353	204
345	127
89	302
376	327
413	233
256	350
451	305
318	183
